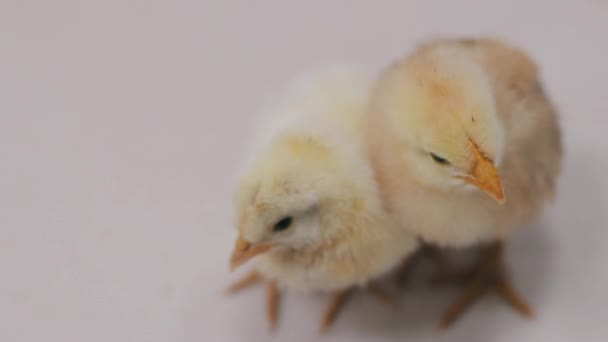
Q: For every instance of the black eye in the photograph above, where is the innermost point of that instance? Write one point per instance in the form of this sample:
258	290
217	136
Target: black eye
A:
283	224
439	159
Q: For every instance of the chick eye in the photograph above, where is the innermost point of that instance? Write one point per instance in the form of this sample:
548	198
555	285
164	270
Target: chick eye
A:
439	160
282	224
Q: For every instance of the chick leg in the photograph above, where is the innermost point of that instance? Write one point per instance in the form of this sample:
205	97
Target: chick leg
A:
335	305
338	300
382	296
508	293
250	279
489	274
273	298
273	295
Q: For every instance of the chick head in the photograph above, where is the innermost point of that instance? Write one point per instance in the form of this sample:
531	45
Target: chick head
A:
290	197
441	107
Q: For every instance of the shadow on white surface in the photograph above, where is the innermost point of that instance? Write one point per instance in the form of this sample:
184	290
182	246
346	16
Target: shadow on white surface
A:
422	305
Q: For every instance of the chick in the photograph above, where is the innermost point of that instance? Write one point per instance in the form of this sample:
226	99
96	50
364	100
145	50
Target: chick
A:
467	148
307	205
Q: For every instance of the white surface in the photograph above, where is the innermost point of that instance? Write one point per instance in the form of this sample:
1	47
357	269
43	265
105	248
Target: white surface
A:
122	122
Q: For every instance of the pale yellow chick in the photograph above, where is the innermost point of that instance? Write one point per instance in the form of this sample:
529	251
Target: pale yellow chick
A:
467	148
307	205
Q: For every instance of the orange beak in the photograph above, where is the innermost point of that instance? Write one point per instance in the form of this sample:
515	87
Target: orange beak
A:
484	175
244	251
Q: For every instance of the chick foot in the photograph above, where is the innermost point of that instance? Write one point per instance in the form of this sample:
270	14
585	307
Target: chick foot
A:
273	295
338	300
488	274
382	296
336	303
249	280
334	307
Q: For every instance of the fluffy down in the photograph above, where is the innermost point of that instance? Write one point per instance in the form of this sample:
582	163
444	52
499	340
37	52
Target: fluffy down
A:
311	166
449	95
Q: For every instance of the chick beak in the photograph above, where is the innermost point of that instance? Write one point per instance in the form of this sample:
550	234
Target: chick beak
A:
485	176
244	251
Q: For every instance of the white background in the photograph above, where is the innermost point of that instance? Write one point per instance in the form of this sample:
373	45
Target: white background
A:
122	123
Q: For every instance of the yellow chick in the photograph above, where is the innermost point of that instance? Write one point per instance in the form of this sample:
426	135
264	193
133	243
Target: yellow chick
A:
307	204
466	147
